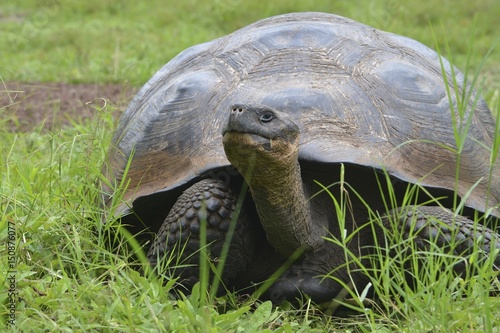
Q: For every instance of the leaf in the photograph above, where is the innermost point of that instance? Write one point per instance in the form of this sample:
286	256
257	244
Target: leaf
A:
260	317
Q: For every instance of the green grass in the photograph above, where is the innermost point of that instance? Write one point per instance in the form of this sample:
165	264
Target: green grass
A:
436	299
67	275
126	42
68	278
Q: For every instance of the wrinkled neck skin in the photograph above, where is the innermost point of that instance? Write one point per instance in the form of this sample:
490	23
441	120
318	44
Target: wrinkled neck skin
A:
275	183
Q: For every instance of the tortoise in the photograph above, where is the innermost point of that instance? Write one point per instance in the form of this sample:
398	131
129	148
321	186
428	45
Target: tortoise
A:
252	134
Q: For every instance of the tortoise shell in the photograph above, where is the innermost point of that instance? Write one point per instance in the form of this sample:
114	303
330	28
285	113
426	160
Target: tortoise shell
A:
358	94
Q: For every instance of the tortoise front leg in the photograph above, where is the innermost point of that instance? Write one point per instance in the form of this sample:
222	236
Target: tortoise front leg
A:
177	244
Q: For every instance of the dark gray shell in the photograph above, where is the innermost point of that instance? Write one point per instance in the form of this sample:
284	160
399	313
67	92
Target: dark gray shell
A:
359	95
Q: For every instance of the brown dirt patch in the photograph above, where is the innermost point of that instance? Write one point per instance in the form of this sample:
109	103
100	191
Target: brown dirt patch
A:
28	106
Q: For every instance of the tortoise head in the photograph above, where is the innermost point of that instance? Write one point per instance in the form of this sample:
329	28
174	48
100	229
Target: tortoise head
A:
260	134
261	121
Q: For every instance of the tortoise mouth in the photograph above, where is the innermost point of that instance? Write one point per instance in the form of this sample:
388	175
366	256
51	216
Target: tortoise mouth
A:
245	139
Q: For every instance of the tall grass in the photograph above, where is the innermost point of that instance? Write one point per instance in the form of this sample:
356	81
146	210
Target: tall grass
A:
74	273
416	289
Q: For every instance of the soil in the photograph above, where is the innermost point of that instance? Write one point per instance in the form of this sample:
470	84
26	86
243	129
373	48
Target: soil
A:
49	106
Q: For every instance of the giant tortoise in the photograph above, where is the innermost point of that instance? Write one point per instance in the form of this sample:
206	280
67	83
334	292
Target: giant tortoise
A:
301	109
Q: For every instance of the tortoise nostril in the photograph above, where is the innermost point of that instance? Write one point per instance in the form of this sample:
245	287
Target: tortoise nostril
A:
237	109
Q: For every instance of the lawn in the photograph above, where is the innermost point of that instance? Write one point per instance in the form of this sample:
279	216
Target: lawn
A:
62	272
111	41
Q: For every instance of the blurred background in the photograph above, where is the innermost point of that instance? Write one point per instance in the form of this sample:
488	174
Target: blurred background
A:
121	44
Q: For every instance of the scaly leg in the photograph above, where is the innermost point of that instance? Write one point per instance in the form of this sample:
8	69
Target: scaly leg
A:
178	240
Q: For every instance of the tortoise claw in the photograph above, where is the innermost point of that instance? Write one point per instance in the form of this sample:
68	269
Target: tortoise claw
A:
298	288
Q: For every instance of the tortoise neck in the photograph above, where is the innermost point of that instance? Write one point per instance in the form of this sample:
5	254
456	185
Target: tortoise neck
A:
283	207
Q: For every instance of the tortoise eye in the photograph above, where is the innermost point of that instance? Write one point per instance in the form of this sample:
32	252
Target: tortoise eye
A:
266	117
